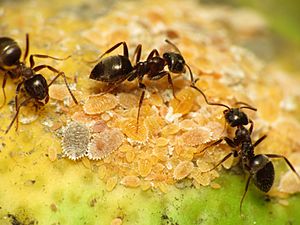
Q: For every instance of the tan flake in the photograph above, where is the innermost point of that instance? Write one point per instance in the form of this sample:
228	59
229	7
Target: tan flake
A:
97	104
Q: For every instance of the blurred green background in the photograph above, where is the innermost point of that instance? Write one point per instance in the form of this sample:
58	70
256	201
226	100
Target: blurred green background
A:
283	17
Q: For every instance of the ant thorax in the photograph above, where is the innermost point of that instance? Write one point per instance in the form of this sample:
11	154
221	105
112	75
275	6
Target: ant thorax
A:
242	135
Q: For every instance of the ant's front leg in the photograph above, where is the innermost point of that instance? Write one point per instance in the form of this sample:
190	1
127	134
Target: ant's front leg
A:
40	67
170	82
143	87
17	114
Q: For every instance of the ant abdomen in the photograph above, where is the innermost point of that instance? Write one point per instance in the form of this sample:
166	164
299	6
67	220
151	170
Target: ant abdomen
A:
111	69
10	52
262	172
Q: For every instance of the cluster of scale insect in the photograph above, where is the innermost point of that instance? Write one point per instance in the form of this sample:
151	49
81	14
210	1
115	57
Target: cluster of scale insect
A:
81	140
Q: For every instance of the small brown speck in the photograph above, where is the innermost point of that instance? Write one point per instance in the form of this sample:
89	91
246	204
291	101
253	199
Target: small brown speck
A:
53	207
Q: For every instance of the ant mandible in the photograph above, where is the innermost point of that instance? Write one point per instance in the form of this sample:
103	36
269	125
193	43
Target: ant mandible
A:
35	85
118	68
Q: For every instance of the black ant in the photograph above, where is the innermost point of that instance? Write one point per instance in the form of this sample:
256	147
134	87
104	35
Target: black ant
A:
259	166
35	85
118	68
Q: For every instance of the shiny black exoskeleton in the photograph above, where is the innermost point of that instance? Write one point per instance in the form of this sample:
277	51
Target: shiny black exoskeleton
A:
34	85
118	68
259	167
10	52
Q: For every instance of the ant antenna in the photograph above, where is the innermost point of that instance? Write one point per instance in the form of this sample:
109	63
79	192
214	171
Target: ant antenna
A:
27	48
207	102
173	45
247	106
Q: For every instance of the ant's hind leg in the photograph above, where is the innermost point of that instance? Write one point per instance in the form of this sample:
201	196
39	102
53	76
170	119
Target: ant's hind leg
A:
286	160
246	189
125	51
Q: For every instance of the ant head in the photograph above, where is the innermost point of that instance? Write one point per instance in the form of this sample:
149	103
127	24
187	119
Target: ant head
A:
175	62
235	117
262	172
10	52
37	87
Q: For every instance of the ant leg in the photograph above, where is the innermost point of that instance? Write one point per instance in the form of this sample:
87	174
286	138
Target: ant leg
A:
125	51
154	52
40	67
17	114
211	145
31	60
251	126
162	74
3	89
37	68
259	140
191	74
205	98
137	53
219	163
26	48
172	85
286	160
173	45
228	141
246	189
141	85
65	79
16	101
